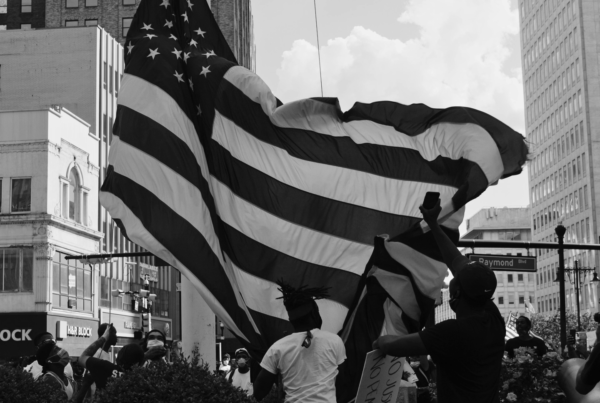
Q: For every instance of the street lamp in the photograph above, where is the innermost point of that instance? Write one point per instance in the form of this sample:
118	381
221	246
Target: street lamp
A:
575	277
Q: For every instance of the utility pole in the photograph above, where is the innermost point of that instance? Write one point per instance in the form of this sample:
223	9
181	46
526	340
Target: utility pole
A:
560	232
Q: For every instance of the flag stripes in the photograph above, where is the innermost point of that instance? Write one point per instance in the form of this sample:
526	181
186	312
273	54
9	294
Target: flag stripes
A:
213	175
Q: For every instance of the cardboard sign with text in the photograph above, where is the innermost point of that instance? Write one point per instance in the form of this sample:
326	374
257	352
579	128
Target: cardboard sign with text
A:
380	380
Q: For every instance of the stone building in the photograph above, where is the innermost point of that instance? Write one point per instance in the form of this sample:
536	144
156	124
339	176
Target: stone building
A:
559	50
48	192
79	69
515	289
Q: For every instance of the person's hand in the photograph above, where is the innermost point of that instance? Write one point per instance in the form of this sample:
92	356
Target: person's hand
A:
383	343
112	338
108	331
431	215
570	340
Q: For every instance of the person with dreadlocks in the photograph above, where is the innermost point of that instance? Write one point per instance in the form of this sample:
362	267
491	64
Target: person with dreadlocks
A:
308	359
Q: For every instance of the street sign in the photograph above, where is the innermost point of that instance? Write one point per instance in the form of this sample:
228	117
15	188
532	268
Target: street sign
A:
506	263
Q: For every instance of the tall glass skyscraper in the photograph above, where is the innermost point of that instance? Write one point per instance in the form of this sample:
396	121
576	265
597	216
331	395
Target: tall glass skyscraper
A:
560	59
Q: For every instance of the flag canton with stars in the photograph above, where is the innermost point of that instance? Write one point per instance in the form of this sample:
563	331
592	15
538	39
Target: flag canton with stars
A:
177	46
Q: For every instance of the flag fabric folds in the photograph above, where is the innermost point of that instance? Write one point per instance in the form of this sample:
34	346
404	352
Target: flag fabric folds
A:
211	173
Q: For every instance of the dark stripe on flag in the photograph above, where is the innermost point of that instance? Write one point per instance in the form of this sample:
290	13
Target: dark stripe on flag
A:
184	242
269	264
390	162
416	118
340	219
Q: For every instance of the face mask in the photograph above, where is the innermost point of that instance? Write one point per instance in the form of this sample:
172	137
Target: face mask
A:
155	343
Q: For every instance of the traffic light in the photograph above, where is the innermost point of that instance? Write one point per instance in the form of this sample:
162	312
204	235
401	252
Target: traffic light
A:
146	322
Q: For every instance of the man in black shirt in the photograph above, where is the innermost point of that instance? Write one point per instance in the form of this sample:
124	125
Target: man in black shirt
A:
467	350
129	356
524	339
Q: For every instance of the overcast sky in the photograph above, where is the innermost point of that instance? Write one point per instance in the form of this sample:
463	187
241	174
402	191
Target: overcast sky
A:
438	52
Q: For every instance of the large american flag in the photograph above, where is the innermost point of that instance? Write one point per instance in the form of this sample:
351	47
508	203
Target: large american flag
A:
211	173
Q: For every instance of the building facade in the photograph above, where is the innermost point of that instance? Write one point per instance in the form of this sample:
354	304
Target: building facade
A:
115	16
442	310
80	69
48	192
515	289
559	48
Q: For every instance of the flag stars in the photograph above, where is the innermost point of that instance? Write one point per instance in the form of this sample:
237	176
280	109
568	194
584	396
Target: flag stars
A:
200	32
185	17
209	54
147	27
186	55
179	77
165	3
173	37
129	47
149	36
190	5
168	24
177	53
199	110
193	43
191	84
205	71
153	53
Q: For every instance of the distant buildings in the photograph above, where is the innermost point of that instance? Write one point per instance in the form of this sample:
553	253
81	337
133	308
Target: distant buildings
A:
114	16
559	48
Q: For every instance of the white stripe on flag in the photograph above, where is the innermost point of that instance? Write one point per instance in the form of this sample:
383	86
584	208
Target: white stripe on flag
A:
428	273
286	237
168	186
138	234
377	192
154	103
454	141
400	289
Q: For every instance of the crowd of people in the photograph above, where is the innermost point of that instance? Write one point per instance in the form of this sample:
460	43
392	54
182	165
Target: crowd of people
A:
467	351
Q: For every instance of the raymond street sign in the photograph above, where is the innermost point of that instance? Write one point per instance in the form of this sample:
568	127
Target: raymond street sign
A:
506	263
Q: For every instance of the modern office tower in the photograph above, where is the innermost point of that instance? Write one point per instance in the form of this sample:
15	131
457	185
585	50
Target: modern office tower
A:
559	50
515	289
443	311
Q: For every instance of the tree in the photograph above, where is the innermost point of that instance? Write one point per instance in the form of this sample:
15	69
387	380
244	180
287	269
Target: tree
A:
548	327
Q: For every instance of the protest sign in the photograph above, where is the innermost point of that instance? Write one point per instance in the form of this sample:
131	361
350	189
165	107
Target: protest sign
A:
380	380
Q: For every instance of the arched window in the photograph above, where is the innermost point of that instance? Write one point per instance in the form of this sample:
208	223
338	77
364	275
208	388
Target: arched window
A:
74	198
74	192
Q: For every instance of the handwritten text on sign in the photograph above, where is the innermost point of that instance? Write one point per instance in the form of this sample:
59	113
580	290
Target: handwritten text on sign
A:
380	380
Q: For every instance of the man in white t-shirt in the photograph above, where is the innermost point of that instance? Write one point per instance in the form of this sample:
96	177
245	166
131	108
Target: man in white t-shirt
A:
307	359
240	376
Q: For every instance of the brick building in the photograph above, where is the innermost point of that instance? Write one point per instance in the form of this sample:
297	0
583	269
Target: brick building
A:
22	14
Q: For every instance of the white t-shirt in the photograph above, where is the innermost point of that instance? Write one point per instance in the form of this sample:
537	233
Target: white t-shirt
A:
308	373
242	381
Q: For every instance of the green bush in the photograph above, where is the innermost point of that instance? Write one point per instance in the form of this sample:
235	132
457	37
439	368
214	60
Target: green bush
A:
548	327
185	380
528	378
17	386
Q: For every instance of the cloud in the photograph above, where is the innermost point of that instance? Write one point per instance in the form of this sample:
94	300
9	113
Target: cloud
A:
458	58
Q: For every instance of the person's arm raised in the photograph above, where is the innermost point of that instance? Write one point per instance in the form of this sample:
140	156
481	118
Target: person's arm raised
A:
92	348
446	246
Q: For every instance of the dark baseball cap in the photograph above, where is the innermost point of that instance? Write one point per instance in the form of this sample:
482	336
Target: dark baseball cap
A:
477	281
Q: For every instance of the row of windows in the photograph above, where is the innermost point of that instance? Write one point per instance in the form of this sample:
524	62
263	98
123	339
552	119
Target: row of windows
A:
25	6
543	13
16	270
71	284
550	216
559	181
550	302
559	149
20	195
511	300
510	278
554	91
561	115
561	52
94	22
93	3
